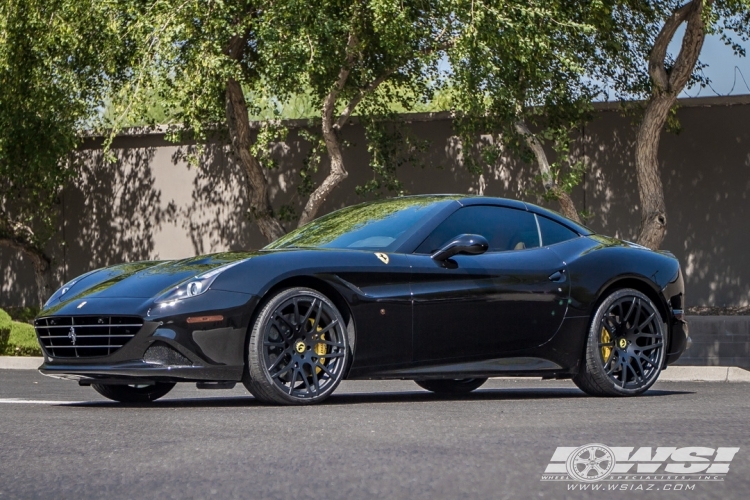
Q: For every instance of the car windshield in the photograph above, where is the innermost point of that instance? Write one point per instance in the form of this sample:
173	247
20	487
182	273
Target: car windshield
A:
369	226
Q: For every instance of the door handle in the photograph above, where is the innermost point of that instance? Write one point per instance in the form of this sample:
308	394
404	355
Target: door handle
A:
557	276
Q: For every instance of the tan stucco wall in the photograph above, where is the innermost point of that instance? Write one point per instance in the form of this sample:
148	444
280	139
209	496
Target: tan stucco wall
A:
152	204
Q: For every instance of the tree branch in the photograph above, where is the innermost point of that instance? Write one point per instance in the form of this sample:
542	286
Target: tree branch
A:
376	82
362	94
241	141
566	203
338	172
329	105
692	43
656	69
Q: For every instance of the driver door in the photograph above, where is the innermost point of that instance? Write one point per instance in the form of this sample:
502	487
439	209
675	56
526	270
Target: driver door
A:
512	297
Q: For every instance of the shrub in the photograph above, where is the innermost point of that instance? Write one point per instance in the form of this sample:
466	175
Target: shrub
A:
23	314
17	339
4	330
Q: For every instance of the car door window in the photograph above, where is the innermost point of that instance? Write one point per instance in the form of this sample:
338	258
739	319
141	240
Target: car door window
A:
554	232
504	228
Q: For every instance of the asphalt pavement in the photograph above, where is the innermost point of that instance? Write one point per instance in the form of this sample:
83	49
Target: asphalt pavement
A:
371	439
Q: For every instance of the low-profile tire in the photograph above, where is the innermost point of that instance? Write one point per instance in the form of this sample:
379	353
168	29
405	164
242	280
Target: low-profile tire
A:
451	386
297	350
133	393
625	348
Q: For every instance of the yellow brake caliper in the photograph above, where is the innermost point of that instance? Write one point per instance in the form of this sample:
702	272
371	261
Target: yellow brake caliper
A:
320	348
606	349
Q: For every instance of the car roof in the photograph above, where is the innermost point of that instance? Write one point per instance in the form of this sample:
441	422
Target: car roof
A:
518	205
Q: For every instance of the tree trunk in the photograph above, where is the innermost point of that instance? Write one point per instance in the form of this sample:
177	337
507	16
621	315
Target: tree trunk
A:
650	189
330	128
239	131
567	207
42	275
666	85
337	174
42	266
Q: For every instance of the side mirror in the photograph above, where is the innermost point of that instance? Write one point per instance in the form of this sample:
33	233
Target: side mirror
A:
467	244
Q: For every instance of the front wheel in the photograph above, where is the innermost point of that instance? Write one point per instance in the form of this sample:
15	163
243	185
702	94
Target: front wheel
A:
297	350
451	386
133	393
625	348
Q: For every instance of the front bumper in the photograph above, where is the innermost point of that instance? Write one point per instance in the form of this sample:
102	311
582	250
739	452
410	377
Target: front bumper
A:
168	348
679	341
140	371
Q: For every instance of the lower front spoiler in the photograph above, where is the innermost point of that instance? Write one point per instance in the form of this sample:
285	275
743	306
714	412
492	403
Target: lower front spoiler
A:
141	371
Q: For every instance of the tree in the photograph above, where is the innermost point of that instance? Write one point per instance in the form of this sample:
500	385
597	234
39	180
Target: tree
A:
212	64
58	58
196	61
355	57
638	64
521	67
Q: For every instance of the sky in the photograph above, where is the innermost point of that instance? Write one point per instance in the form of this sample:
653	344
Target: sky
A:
725	70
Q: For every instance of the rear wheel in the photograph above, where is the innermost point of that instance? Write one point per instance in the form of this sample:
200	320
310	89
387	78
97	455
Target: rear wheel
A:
297	350
626	346
451	386
133	393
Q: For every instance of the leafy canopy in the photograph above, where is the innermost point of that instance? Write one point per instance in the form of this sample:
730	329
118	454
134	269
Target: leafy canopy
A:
58	59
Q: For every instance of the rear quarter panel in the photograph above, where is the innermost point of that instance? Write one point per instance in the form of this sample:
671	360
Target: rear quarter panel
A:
597	262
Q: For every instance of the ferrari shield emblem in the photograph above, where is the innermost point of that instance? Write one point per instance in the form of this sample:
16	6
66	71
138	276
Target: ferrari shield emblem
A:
382	257
623	343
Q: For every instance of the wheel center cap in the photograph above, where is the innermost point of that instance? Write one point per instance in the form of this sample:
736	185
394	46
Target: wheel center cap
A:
623	343
300	347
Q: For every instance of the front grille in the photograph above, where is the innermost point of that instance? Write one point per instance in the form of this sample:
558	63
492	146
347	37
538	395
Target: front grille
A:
85	336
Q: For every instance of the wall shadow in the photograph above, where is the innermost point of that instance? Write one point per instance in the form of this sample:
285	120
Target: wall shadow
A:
705	171
151	203
113	209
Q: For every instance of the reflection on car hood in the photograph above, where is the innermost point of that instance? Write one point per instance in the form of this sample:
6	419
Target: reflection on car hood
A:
143	279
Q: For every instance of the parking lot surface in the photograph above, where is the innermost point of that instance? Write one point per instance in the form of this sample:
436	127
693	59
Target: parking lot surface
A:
371	439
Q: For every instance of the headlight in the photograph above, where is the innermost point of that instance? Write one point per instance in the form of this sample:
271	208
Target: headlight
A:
194	286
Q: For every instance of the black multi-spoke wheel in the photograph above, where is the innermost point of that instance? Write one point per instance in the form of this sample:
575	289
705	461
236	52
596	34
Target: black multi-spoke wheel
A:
625	348
451	386
297	350
133	393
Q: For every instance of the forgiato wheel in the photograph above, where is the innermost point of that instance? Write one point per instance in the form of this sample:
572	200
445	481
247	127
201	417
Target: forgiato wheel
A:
451	386
297	351
626	346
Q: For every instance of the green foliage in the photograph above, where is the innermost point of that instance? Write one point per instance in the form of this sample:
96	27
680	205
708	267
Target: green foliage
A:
627	35
305	47
312	161
23	314
391	145
17	339
270	131
527	63
370	58
58	59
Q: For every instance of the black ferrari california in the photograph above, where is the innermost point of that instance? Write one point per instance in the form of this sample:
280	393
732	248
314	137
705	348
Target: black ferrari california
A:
443	290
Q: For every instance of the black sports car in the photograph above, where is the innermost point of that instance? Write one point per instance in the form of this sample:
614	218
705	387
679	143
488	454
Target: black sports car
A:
442	290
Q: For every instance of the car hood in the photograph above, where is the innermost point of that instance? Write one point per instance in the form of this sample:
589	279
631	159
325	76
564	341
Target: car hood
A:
141	280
